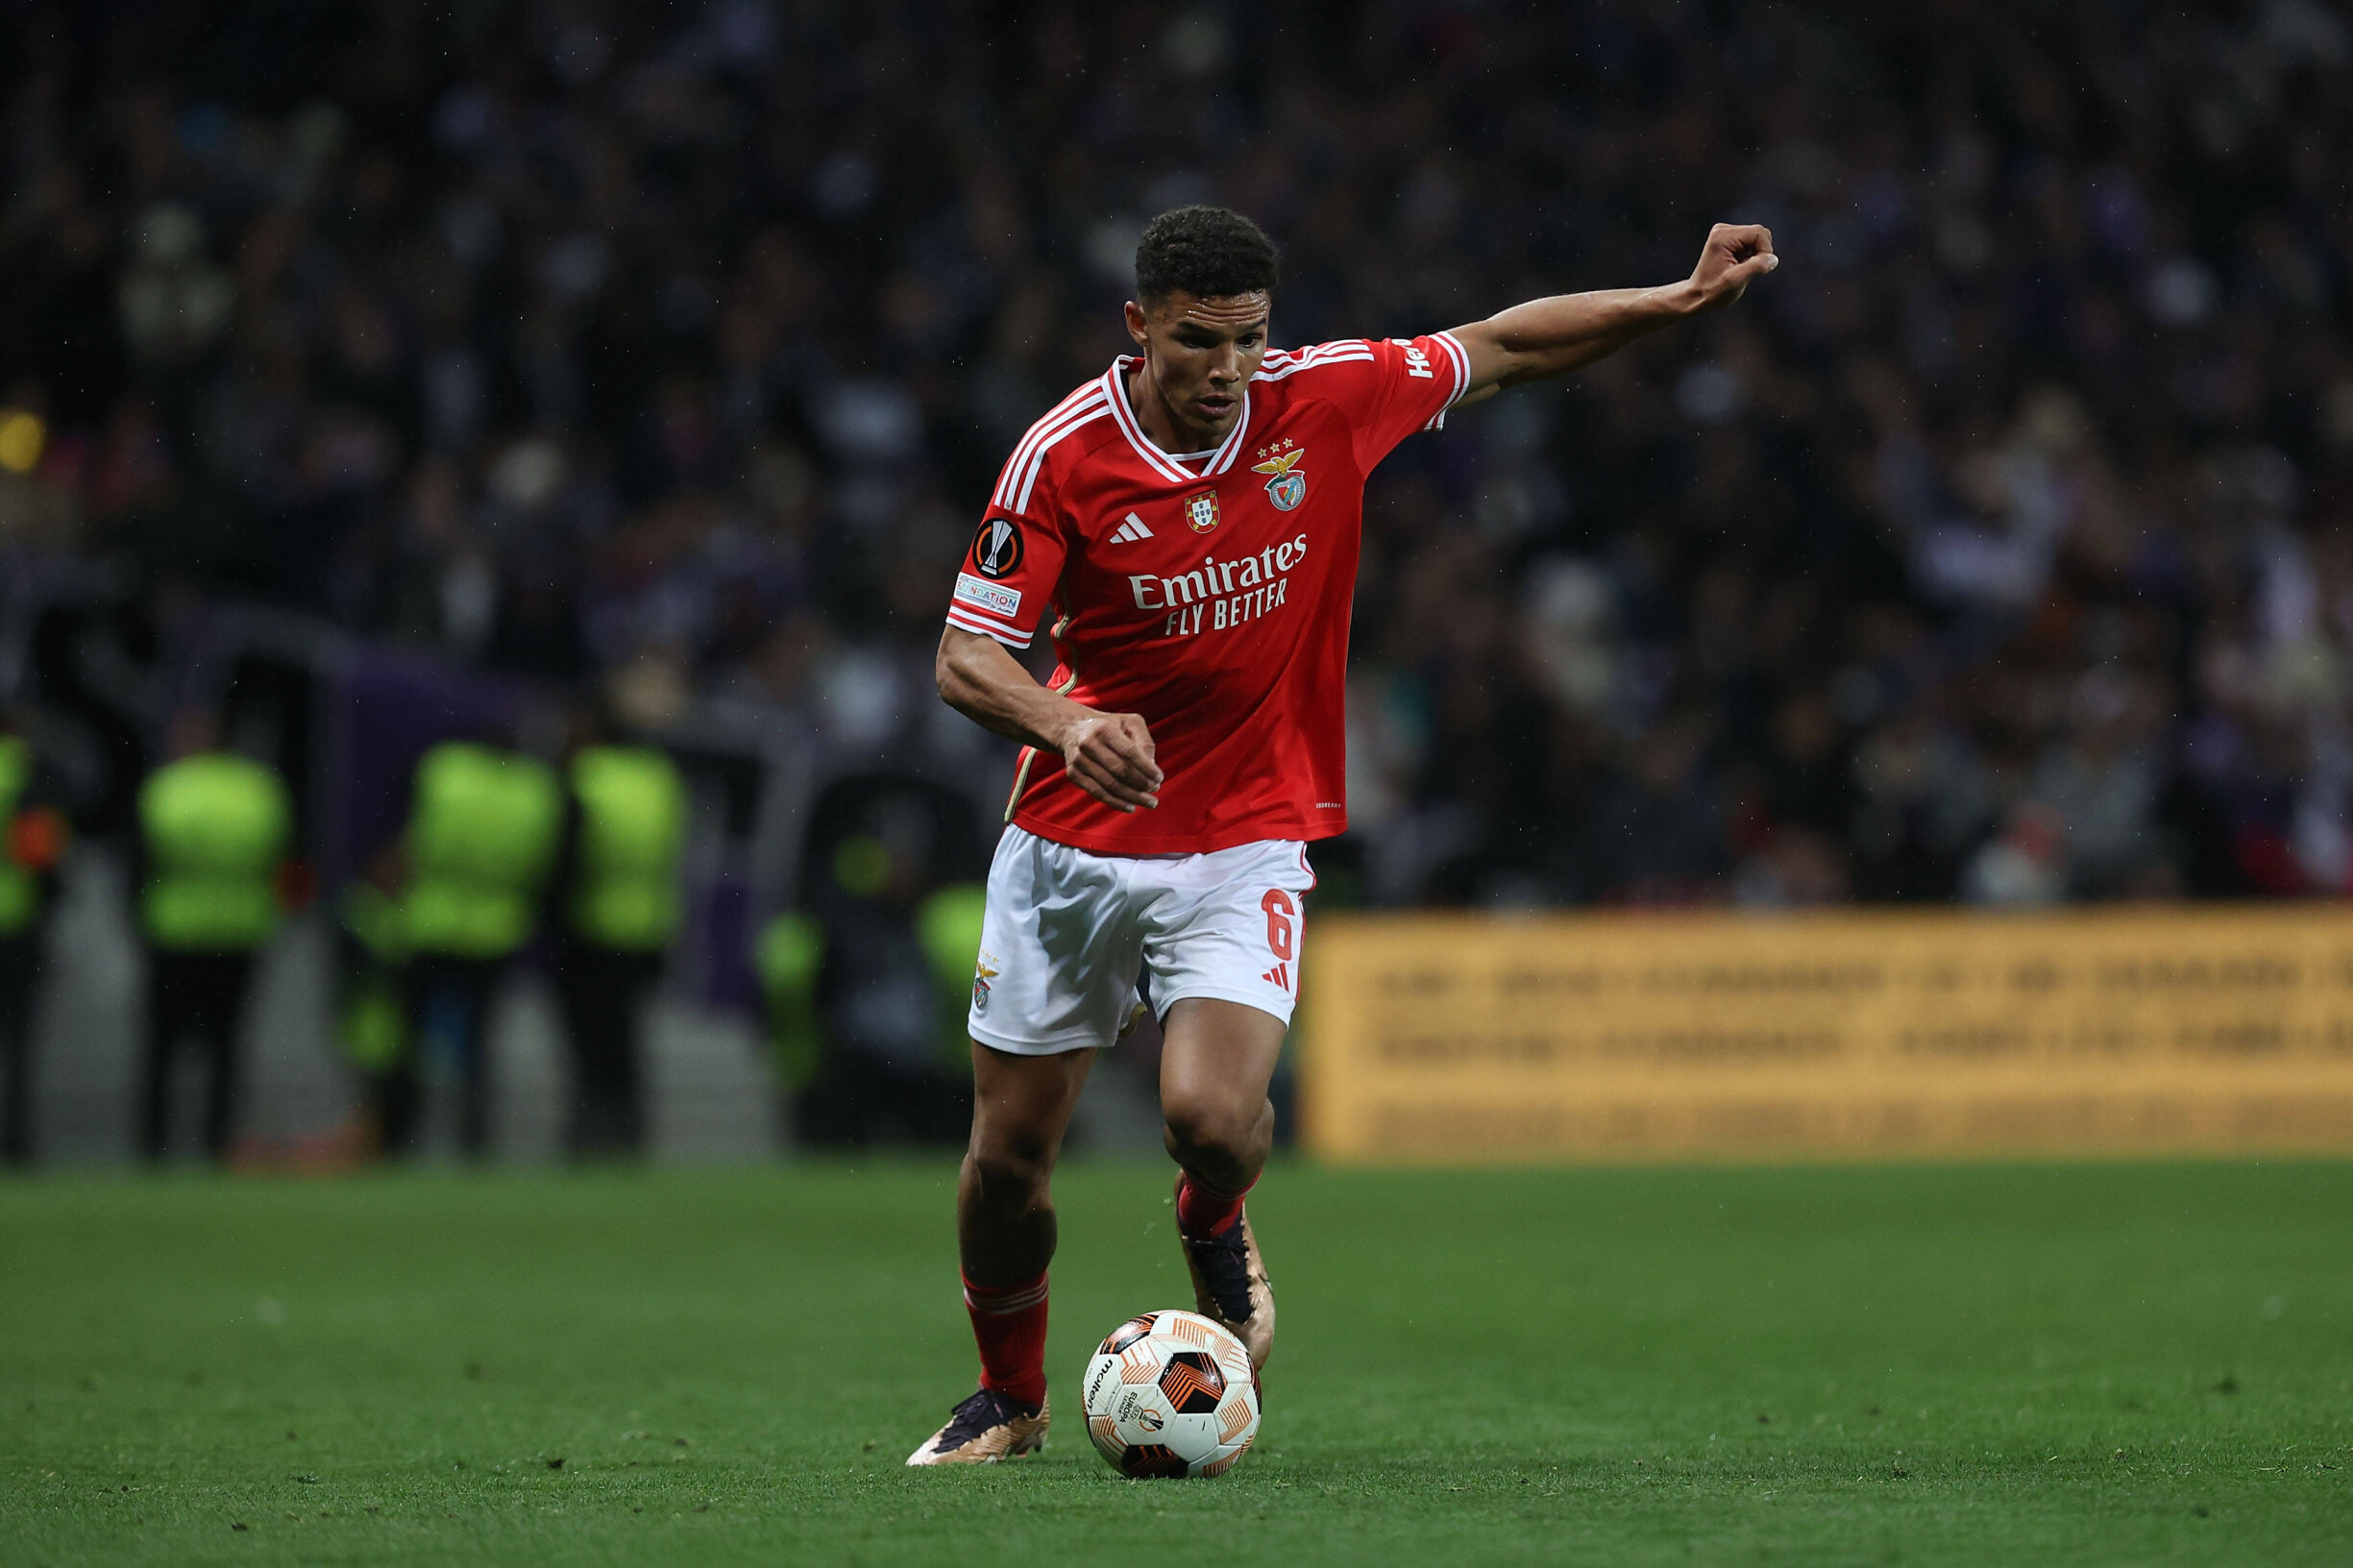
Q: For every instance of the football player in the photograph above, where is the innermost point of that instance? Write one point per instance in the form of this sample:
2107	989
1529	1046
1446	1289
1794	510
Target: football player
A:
1187	524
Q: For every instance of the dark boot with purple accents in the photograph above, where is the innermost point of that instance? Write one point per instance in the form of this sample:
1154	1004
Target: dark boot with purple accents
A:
986	1428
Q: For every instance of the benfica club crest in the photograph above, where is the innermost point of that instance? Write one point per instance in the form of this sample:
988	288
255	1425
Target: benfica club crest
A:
1285	487
1201	511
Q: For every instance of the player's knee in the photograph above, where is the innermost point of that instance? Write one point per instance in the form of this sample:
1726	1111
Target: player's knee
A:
1207	1128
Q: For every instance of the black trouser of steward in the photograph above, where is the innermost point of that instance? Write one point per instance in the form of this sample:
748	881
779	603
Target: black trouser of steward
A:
449	1010
605	991
193	999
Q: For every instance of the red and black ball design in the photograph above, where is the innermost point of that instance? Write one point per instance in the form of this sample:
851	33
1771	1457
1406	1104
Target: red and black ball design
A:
1126	1335
1151	1462
1192	1384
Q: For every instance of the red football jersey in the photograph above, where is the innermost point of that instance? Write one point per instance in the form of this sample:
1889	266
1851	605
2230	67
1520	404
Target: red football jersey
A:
1208	594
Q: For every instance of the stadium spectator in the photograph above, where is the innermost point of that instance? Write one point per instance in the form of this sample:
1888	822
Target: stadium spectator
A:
667	350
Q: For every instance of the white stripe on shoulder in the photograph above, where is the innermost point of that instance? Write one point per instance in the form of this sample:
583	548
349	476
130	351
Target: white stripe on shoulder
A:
1039	436
1313	352
1285	372
1013	487
1039	427
1330	354
1086	414
1346	348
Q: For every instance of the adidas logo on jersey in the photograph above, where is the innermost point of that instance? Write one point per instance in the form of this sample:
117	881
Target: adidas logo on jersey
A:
1131	530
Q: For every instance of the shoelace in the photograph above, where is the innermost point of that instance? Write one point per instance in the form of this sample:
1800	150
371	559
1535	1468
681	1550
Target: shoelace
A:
1224	1263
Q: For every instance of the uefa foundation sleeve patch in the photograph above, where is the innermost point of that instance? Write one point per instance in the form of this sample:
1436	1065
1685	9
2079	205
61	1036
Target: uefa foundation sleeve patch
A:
994	596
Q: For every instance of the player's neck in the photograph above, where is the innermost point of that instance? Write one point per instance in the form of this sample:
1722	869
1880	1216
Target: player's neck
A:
1160	422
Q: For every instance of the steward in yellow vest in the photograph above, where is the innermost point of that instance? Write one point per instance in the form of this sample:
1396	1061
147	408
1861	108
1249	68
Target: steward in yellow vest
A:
483	833
621	905
31	837
483	829
213	835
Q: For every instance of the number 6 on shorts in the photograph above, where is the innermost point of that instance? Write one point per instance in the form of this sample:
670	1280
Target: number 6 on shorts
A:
1278	910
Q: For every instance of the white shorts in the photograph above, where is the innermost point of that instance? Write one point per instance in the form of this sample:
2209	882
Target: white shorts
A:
1068	932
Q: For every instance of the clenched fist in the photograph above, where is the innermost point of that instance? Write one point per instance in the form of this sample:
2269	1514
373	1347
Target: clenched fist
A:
1735	252
1110	756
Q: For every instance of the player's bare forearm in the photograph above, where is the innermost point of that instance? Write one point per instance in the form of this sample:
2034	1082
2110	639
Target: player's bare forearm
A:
1568	332
982	680
1109	755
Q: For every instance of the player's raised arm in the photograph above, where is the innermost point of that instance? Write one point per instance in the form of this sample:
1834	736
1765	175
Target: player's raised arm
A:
1108	754
1567	332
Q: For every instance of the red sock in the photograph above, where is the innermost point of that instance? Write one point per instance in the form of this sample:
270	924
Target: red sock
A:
1204	1211
1009	1323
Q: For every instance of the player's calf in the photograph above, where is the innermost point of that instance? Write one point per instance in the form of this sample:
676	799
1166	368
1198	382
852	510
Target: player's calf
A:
1006	1194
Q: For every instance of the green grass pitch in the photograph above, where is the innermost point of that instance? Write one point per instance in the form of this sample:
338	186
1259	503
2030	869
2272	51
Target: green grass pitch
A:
2082	1365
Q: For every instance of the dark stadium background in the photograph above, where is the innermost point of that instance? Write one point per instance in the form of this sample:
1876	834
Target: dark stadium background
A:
1731	1165
464	365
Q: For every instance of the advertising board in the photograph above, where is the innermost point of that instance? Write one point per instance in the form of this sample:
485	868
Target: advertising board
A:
1456	1039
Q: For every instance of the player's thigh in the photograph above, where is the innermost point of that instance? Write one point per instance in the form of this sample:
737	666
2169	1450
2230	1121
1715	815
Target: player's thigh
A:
1226	927
1222	943
1059	950
1216	1058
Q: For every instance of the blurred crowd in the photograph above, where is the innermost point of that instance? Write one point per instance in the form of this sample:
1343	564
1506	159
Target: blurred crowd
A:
1998	548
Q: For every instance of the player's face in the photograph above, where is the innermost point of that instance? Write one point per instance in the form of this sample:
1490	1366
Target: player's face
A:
1199	355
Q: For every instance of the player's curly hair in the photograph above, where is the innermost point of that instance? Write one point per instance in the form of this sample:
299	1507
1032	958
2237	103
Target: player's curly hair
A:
1208	252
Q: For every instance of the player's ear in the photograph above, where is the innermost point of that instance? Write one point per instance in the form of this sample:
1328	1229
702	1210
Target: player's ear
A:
1136	324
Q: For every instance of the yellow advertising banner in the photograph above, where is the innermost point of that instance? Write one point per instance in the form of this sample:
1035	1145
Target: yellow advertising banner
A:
1457	1039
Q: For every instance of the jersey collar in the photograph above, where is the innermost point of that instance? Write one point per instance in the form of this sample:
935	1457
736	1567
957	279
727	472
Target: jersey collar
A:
1115	386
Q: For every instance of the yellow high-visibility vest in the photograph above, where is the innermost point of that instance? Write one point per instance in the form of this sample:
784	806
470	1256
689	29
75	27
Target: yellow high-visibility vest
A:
215	826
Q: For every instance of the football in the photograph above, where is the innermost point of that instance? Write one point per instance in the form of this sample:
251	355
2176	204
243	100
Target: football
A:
1171	1394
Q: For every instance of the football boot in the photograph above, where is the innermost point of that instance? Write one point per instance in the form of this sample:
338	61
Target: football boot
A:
1229	1283
986	1428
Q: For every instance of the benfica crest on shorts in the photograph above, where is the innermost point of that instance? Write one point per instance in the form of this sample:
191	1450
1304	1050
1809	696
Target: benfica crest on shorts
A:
1201	511
1285	487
